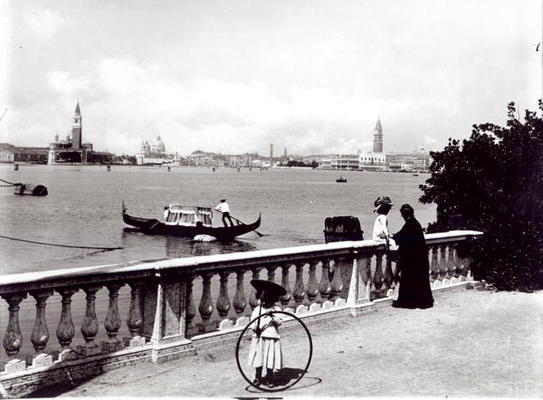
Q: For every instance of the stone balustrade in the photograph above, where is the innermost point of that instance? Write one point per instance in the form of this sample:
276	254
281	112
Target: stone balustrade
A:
175	303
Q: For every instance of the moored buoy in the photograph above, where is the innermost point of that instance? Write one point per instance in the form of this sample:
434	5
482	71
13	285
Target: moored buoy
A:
16	167
27	189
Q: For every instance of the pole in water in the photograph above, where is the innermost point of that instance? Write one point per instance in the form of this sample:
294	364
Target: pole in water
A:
169	169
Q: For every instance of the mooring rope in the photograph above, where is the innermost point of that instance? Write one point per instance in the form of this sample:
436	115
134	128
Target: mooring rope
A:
9	183
61	245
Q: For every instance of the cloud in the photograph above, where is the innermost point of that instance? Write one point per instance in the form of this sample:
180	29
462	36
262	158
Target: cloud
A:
124	102
43	22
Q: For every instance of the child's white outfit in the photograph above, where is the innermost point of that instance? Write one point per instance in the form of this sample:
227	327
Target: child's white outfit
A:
381	227
265	351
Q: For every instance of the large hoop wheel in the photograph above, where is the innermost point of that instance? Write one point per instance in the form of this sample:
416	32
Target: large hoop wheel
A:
305	368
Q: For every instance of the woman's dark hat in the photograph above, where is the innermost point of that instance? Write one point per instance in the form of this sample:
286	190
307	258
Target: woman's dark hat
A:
268	287
382	200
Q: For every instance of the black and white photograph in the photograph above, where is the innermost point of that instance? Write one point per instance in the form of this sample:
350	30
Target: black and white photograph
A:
251	199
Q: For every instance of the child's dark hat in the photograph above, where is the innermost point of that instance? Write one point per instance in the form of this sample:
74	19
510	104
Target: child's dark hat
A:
268	287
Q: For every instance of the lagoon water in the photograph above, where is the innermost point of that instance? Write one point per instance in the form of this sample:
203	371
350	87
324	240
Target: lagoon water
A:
84	208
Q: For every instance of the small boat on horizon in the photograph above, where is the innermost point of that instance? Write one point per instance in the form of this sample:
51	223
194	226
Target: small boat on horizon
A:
188	221
341	179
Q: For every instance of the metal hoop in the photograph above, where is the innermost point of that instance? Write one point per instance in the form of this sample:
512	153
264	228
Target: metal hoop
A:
308	359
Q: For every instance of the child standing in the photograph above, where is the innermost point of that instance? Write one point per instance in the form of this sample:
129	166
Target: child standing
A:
265	351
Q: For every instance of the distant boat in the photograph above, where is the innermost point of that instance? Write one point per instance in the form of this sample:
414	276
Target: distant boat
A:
188	221
341	179
415	174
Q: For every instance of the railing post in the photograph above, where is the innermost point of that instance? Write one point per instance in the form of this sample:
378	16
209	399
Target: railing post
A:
337	282
65	330
223	301
388	276
324	287
169	339
135	319
239	298
112	323
252	296
299	290
312	285
40	332
13	338
206	304
191	308
89	327
285	283
378	290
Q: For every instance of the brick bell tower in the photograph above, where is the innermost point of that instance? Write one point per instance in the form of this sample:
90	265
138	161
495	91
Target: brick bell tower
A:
378	137
77	129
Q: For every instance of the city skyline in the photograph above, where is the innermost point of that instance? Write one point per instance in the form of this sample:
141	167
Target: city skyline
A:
232	78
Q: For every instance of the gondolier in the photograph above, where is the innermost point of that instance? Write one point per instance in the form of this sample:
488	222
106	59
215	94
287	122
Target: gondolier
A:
224	209
189	221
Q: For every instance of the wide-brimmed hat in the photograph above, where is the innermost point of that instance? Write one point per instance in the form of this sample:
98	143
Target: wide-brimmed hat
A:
271	288
384	200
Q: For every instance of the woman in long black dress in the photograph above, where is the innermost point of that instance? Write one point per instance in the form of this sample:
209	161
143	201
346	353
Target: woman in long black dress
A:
413	264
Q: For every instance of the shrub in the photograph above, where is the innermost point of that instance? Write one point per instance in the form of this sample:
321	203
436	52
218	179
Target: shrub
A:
493	182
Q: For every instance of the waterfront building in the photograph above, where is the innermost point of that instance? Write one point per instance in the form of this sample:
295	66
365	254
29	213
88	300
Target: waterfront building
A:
372	161
153	153
408	161
72	149
338	161
35	155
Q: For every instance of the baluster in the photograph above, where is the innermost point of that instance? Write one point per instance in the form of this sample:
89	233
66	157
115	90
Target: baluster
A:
388	276
312	285
365	273
285	283
378	277
325	288
135	319
455	267
65	329
299	291
253	301
337	282
89	327
13	338
239	298
223	301
112	323
40	333
434	265
271	273
443	265
206	303
191	308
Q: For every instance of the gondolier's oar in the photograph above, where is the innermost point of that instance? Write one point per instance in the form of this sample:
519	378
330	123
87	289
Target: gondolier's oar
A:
241	222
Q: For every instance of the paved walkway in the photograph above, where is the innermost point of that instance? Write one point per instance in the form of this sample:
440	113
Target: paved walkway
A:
472	343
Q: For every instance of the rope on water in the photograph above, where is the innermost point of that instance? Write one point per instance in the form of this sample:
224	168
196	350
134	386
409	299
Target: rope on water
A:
9	183
61	245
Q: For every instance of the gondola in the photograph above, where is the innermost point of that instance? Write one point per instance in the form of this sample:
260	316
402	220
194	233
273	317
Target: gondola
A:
188	221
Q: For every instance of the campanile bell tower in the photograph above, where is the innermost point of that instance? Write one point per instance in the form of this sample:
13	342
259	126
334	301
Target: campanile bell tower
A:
77	129
378	137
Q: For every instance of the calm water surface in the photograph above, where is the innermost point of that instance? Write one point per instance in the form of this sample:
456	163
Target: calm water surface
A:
84	208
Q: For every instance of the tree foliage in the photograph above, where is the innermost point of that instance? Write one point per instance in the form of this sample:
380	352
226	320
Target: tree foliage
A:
493	182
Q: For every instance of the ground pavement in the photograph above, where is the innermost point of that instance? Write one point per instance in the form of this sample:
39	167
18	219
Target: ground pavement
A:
471	343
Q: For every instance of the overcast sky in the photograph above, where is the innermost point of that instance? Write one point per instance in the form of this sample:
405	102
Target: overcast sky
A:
233	76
